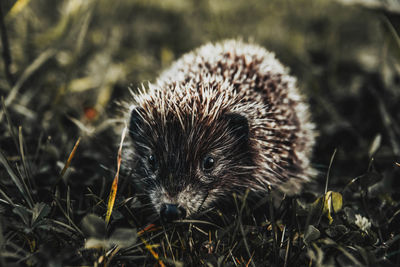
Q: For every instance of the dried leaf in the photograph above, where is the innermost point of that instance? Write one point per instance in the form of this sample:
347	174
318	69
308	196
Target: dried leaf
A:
71	156
150	248
114	187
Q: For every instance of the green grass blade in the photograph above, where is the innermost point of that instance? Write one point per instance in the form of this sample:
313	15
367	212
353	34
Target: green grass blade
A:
16	179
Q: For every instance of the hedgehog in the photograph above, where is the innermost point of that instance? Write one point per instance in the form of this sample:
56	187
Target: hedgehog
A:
223	119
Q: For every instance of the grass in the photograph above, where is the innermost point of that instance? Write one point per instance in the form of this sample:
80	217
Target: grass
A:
67	63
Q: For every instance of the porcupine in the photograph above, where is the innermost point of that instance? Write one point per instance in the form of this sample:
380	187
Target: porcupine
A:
223	118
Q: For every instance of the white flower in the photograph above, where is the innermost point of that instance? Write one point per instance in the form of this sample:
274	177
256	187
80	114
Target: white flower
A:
362	223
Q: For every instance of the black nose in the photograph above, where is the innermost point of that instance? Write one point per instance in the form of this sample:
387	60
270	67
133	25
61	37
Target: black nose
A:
171	212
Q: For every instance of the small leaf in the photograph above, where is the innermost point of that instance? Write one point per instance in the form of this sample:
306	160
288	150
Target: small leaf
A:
40	210
333	203
375	145
311	234
94	226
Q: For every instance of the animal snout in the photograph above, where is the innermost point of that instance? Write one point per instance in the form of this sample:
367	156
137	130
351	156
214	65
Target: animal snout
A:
171	212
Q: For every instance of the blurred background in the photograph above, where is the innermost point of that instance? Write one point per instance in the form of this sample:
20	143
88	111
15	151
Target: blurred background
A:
66	64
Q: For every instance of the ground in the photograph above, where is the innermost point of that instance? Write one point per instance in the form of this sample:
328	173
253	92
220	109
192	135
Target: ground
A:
66	66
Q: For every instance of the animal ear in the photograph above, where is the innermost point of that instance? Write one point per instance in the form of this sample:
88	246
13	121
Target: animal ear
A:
135	121
238	124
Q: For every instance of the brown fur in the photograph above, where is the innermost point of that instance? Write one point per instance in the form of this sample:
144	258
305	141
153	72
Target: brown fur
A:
233	102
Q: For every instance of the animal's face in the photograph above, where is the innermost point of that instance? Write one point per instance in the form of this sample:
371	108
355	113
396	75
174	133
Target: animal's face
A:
185	163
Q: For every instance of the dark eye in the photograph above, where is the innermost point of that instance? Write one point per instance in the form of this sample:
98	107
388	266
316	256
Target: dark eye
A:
152	161
208	163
